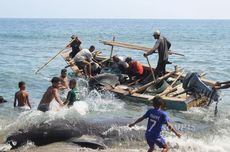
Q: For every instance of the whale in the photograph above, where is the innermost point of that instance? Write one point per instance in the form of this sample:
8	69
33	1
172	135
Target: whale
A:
81	132
106	80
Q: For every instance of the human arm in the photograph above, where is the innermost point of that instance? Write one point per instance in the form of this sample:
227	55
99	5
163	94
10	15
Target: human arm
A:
151	51
226	82
225	86
137	121
27	99
170	127
57	97
67	99
168	44
15	99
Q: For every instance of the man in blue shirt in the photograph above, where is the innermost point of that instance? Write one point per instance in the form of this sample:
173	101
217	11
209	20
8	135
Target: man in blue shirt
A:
156	119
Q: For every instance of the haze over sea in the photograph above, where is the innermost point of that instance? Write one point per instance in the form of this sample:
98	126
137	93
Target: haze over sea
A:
26	44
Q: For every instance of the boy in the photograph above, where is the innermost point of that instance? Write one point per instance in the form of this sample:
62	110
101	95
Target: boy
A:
64	79
73	94
156	119
22	96
51	93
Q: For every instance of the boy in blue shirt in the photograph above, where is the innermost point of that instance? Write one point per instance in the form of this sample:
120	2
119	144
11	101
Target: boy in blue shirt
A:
156	119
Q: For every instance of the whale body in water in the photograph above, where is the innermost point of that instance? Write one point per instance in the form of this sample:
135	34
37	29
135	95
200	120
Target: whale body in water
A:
80	132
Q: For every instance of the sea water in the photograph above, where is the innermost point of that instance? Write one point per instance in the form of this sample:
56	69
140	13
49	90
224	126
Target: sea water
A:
26	44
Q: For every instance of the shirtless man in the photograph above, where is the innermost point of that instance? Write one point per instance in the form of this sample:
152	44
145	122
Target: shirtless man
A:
51	93
22	96
64	79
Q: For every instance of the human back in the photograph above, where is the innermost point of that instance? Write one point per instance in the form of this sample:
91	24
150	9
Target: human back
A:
83	55
156	119
163	49
48	96
22	96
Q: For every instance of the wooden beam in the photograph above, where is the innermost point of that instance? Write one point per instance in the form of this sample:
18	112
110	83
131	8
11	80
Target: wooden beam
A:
132	46
142	88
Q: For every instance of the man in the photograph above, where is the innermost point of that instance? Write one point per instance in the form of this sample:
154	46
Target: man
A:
22	96
51	93
163	46
135	69
222	85
75	45
84	60
73	94
156	120
120	64
64	79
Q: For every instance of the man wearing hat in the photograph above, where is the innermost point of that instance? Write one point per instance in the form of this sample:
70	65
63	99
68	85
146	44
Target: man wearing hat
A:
75	45
162	45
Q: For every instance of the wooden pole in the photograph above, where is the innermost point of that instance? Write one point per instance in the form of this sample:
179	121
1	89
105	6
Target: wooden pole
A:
133	46
54	57
152	82
111	53
154	78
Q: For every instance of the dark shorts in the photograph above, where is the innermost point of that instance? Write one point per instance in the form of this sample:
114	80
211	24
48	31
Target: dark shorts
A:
80	65
160	142
43	107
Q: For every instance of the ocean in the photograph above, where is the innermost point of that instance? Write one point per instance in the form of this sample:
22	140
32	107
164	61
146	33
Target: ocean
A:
26	44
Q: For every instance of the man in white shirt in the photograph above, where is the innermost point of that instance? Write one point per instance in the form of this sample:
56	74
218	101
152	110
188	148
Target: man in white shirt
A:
83	60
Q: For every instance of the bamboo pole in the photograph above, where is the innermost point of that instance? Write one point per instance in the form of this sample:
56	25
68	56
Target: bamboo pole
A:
54	57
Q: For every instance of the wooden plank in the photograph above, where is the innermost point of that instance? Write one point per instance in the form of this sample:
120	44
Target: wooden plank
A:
65	56
153	82
133	46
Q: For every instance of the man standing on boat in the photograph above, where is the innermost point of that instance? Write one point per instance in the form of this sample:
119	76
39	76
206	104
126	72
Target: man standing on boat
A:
75	45
162	45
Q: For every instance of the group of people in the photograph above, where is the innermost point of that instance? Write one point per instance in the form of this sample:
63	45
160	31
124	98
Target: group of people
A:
21	99
83	58
134	69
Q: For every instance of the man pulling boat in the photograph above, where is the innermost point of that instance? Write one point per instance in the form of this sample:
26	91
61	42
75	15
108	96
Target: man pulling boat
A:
51	93
75	45
84	60
163	46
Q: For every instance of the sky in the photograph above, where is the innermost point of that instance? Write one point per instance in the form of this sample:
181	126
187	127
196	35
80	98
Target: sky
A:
133	9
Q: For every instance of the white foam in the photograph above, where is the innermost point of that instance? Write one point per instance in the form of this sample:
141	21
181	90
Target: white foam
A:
81	107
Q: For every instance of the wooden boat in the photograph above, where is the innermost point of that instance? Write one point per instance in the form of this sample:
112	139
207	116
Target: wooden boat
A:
175	97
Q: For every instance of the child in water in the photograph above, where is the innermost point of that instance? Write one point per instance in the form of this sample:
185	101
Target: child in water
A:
22	96
73	94
156	119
